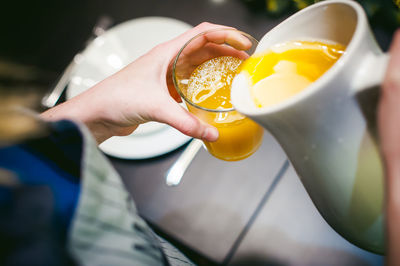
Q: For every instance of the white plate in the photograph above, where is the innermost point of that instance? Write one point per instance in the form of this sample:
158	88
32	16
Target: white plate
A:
109	53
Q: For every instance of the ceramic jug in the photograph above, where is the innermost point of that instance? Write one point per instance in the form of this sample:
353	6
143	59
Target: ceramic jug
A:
328	130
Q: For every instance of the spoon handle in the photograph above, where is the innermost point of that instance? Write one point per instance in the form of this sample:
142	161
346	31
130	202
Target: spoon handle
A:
178	169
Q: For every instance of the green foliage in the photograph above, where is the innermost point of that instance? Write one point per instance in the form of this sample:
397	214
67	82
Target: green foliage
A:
384	14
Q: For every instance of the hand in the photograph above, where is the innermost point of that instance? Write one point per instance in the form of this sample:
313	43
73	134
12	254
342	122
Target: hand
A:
209	46
389	130
142	91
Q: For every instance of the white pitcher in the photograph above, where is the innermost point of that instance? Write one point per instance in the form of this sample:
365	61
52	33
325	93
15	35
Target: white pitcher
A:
328	131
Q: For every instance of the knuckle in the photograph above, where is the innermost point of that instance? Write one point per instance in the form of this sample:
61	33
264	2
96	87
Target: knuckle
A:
159	49
190	127
205	25
157	111
392	84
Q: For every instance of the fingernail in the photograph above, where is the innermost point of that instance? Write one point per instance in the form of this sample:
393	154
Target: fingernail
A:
211	134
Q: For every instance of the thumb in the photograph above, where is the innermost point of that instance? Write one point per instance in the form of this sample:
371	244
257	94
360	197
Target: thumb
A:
176	116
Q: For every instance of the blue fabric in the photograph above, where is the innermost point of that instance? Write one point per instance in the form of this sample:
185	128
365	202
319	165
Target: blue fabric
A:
36	211
32	170
29	234
53	161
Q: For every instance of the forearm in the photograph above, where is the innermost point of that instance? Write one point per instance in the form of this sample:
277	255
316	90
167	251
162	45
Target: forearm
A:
389	131
392	212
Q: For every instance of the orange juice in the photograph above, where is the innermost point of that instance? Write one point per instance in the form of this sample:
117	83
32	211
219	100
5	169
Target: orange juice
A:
209	87
288	68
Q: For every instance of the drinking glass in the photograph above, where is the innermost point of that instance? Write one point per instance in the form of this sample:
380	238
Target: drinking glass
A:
239	137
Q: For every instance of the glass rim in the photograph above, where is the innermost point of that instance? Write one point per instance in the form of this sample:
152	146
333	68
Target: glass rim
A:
176	60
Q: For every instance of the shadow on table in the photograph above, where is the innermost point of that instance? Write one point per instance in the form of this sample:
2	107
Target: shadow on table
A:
211	240
271	246
194	256
256	260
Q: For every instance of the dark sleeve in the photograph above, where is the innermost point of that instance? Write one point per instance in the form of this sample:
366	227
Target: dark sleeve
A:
28	232
35	212
62	148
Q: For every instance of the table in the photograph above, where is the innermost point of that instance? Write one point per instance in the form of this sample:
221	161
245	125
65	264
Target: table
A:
251	212
215	200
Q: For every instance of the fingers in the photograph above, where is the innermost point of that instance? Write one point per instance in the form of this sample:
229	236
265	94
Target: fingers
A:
389	107
233	38
212	35
188	62
170	49
215	50
176	116
205	26
230	36
211	51
391	82
389	130
171	86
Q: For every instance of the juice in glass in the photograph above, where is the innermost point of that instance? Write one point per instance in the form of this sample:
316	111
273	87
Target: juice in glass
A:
209	94
202	73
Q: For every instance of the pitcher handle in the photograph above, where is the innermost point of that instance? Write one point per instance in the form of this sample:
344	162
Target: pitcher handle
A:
372	71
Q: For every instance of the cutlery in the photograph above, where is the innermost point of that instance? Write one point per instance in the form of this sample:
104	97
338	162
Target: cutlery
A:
52	97
178	169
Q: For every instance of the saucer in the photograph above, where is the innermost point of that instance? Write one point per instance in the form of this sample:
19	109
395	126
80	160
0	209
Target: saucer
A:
109	53
144	146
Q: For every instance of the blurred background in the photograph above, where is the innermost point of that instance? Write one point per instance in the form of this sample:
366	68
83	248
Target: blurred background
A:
44	35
